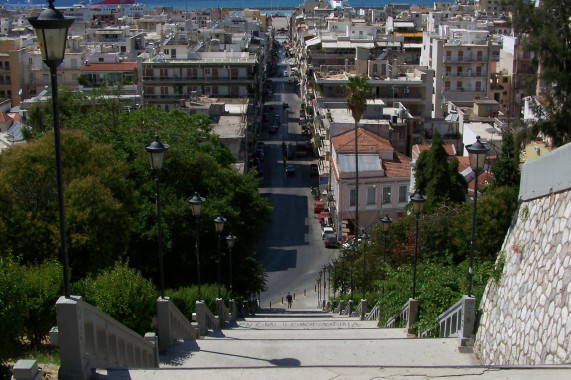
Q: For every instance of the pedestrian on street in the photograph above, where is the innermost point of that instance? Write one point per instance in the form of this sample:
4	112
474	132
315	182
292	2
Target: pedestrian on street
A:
289	299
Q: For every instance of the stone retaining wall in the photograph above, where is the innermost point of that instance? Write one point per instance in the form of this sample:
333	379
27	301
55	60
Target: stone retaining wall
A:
525	315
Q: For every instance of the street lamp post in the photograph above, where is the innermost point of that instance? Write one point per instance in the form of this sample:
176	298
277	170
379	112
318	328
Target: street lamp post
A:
343	256
329	279
386	221
219	226
364	238
51	30
334	277
230	240
352	249
318	279
156	151
417	206
196	205
324	270
477	152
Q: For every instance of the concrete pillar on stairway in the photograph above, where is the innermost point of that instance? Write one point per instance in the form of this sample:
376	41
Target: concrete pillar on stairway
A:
468	319
412	316
363	309
164	323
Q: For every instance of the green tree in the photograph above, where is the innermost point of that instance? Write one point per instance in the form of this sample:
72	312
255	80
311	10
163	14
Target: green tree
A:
494	215
98	197
437	176
506	168
544	29
196	162
357	90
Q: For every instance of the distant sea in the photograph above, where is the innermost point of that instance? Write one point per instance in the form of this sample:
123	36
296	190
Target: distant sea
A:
204	4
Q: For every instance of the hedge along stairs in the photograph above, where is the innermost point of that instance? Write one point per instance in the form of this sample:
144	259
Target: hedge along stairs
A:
297	343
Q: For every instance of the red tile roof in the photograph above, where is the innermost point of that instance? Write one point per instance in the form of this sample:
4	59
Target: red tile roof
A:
398	167
123	66
419	148
4	117
368	142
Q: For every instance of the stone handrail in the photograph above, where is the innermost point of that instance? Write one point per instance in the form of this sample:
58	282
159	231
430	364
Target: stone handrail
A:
406	317
458	321
340	307
89	338
206	320
375	314
226	314
348	309
357	313
173	324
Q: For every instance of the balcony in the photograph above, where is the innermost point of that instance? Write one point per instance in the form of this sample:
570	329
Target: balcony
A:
466	59
202	79
466	74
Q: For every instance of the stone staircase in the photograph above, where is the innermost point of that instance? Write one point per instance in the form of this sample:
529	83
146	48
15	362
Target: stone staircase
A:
282	344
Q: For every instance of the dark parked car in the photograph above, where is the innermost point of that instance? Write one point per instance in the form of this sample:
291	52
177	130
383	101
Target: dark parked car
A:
313	169
290	169
330	240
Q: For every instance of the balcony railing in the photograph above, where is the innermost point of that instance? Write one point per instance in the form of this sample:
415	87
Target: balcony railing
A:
466	59
197	78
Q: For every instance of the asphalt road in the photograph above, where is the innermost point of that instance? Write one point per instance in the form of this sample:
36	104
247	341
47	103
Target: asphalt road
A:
291	250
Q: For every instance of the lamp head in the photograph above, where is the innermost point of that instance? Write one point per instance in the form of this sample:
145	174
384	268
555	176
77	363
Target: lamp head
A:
196	204
477	152
418	203
386	222
51	29
219	223
156	151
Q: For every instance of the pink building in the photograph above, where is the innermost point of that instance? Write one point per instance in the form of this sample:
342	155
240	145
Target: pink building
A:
384	177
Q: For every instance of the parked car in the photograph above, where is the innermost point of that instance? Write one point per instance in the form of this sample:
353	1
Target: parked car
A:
286	74
313	170
325	231
285	105
323	215
318	207
290	169
330	240
274	128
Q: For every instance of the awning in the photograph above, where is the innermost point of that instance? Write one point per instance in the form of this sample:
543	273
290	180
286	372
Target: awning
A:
313	41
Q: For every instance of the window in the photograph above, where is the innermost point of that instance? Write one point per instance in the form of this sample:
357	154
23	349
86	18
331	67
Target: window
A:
478	86
448	55
164	90
375	68
459	86
164	73
460	55
207	71
448	70
101	59
447	85
478	70
371	195
30	61
403	194
459	71
479	55
352	197
386	195
173	53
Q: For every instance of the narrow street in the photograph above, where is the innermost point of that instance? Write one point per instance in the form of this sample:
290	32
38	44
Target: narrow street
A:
291	249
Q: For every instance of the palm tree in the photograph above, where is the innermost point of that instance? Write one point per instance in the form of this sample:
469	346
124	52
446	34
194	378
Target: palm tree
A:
358	90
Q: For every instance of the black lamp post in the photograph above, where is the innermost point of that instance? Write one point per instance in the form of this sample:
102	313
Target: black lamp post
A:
477	152
364	238
219	226
196	205
230	240
386	221
352	249
156	151
417	206
329	279
51	30
334	276
343	256
324	270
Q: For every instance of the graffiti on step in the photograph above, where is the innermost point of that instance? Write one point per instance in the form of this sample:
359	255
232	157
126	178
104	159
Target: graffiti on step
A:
300	324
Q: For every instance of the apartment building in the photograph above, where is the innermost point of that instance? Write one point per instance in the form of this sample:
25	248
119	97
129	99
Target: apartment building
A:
180	70
461	62
11	70
384	177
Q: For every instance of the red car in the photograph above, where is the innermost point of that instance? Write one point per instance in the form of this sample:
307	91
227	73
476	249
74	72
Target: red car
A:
324	215
318	207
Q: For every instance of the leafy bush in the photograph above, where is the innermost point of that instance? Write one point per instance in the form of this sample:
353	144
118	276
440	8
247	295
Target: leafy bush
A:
185	298
42	285
122	293
12	309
